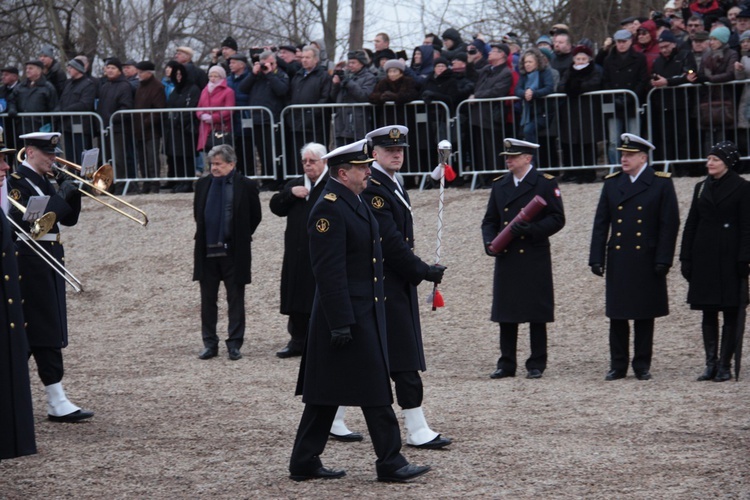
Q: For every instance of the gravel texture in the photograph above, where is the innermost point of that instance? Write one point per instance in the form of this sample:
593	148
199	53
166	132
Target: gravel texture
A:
168	425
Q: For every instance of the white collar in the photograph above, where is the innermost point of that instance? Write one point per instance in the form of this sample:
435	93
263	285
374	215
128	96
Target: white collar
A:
634	178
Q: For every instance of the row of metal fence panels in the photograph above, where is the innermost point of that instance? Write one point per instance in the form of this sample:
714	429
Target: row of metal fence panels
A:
574	132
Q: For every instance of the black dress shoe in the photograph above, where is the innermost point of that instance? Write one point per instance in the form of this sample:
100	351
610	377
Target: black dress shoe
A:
72	418
614	375
234	354
435	444
405	473
708	374
288	352
534	373
500	373
208	353
723	375
347	438
643	375
321	473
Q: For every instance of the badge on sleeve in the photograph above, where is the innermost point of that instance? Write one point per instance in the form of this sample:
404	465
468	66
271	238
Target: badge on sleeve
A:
15	194
322	225
378	202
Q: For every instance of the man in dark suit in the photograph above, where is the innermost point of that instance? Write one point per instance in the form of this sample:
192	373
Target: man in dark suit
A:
523	290
346	358
42	289
294	202
634	235
16	414
227	211
389	202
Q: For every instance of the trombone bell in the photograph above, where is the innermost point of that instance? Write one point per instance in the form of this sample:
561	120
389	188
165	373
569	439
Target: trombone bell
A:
42	225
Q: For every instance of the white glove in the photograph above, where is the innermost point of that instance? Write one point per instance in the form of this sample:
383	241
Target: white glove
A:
206	117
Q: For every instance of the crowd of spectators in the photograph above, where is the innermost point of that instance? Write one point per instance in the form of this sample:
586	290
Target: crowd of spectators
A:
706	41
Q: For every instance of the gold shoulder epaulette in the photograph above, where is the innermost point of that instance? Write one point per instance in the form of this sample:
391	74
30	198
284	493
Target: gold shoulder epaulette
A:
666	175
613	174
331	197
16	176
548	176
498	178
376	182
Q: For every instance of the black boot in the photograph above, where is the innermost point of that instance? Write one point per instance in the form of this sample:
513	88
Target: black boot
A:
725	359
711	344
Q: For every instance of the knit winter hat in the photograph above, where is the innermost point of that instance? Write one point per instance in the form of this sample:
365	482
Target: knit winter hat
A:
721	34
727	152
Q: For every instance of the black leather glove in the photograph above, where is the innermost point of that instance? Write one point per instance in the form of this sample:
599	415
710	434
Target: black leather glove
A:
743	269
341	336
60	177
686	269
487	249
661	269
521	228
597	269
435	273
12	112
68	190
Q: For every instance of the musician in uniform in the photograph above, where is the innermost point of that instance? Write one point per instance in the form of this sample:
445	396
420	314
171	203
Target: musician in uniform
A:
16	414
42	288
634	238
522	290
403	271
346	357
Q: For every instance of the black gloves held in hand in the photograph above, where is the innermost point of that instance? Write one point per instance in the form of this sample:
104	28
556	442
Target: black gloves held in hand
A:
661	269
435	273
686	269
521	228
68	190
341	336
597	269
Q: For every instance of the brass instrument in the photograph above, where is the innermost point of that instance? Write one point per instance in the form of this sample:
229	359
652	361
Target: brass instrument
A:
50	260
100	183
40	226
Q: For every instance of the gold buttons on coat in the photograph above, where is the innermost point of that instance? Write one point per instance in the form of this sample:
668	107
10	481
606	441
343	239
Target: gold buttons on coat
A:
7	278
619	208
638	234
619	234
640	207
639	221
374	260
376	279
617	247
10	301
619	221
520	251
637	247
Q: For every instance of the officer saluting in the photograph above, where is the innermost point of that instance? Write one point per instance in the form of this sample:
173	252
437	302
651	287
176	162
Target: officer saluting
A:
346	358
523	291
42	288
634	236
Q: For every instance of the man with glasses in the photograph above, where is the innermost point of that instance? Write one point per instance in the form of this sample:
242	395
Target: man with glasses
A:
294	202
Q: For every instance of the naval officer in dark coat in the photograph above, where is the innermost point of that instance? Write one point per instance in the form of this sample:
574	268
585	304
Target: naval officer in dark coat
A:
346	358
42	288
403	271
523	291
715	255
634	237
16	414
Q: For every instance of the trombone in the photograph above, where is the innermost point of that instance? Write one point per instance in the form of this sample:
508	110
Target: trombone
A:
100	182
38	249
40	226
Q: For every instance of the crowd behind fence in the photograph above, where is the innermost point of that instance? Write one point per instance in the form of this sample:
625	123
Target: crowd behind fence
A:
576	134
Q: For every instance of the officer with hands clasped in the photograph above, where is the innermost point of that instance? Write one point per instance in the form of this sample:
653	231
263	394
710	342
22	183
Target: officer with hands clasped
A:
634	237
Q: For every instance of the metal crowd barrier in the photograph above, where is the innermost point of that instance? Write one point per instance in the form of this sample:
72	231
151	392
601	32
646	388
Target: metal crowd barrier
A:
80	130
575	134
684	122
338	124
162	145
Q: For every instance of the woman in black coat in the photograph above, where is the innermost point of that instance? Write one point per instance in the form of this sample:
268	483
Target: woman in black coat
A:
181	128
715	255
